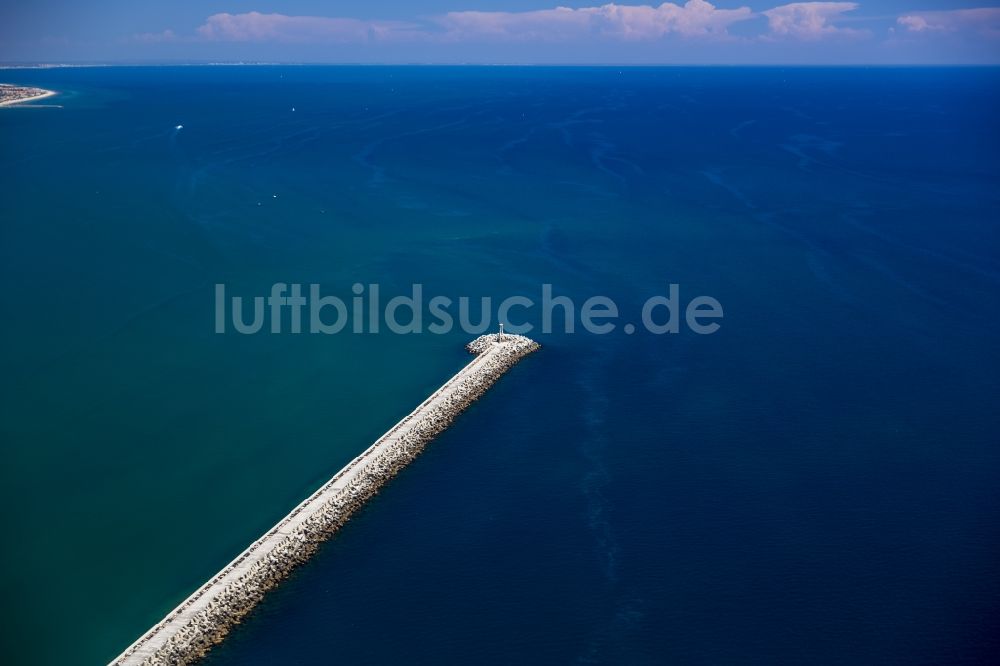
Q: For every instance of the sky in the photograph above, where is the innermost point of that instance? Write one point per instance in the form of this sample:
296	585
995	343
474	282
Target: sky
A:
502	31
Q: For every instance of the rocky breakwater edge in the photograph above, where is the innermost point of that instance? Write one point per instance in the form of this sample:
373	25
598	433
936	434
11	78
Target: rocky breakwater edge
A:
204	619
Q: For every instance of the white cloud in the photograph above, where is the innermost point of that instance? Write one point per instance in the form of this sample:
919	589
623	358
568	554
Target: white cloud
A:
802	21
984	21
810	21
611	21
917	24
627	22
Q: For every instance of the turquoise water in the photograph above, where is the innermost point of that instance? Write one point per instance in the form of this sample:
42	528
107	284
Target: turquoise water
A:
815	483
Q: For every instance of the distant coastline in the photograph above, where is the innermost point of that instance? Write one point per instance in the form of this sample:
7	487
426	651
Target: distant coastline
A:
13	94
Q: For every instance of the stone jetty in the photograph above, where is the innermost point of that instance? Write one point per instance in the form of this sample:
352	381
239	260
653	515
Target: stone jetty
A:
205	618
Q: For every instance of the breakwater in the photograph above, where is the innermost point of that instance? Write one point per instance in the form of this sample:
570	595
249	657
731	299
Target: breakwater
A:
189	631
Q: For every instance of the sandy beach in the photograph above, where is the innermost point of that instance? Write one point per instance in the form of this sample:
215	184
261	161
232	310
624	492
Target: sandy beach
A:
11	95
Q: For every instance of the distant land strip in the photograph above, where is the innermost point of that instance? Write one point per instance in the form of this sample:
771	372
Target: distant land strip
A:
12	94
204	619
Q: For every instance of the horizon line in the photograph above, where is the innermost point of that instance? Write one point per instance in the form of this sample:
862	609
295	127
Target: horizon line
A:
264	63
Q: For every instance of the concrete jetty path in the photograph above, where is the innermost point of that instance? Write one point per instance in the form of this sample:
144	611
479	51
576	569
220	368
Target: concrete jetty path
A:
189	631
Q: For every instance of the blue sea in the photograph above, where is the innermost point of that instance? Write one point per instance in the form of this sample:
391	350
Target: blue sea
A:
818	482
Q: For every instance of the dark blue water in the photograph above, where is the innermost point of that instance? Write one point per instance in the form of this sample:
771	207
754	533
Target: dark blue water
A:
815	483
